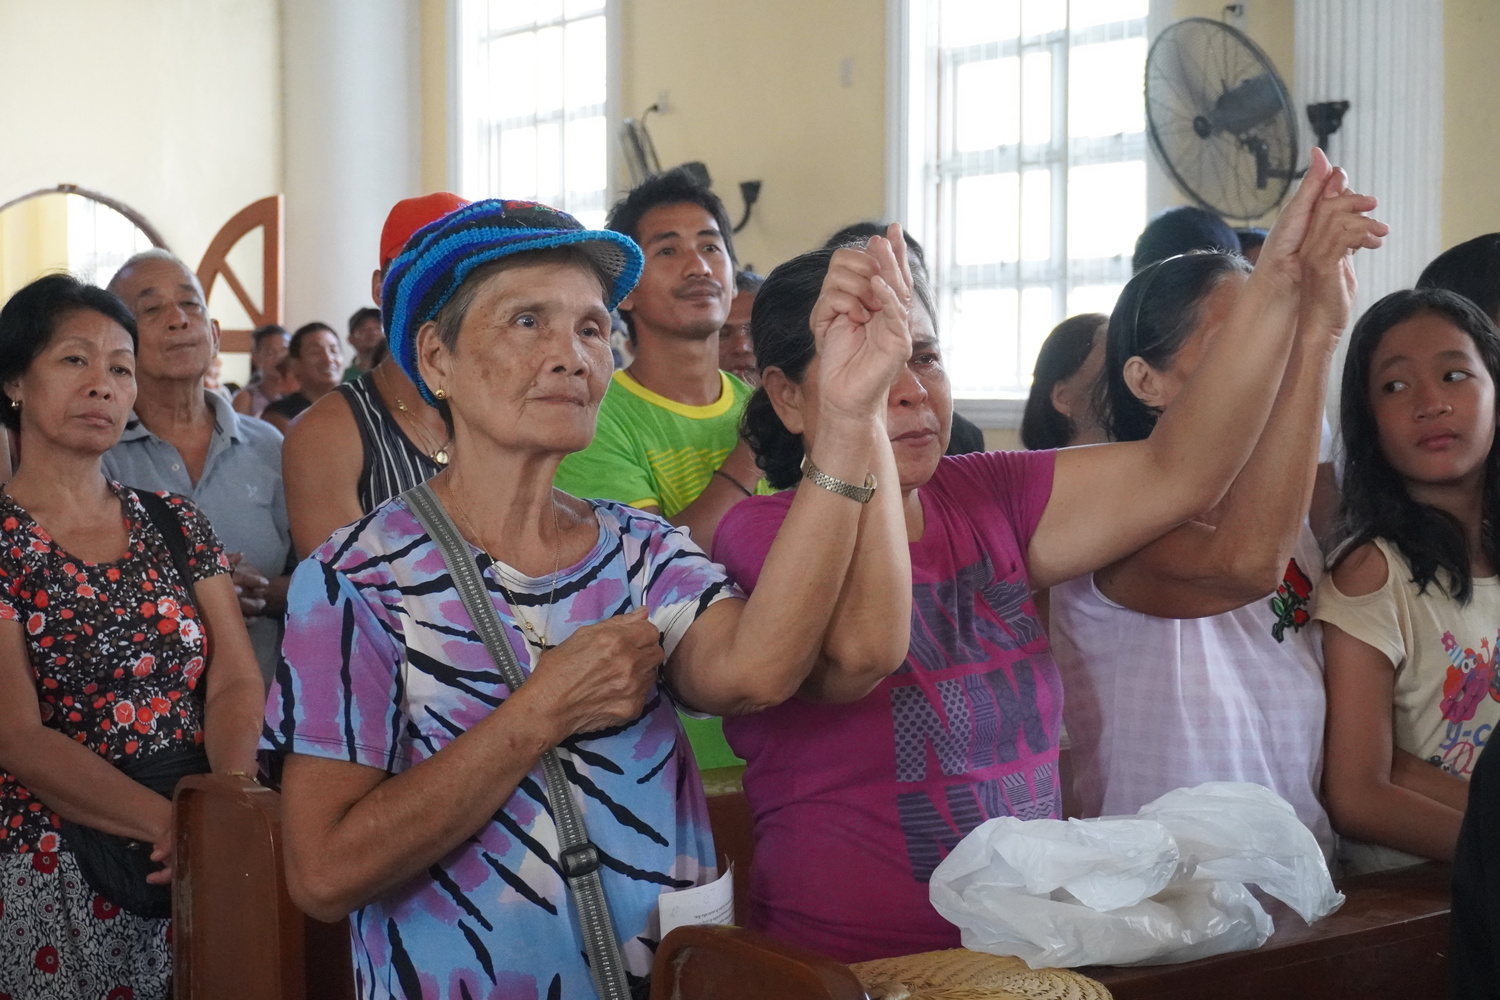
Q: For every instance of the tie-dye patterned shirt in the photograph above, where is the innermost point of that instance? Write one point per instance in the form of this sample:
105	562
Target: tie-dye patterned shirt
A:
856	804
381	666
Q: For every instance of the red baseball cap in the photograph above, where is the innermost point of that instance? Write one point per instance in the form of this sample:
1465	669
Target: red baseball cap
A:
411	214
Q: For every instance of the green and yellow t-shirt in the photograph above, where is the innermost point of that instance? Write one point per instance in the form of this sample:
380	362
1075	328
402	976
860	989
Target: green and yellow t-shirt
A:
651	451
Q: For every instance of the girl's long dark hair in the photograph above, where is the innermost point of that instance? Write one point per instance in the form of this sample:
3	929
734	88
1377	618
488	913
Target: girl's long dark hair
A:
1064	351
1376	503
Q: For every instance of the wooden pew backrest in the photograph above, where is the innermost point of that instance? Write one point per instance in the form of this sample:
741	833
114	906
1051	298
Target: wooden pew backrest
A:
729	963
236	932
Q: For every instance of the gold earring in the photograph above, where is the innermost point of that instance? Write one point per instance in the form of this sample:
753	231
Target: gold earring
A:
440	393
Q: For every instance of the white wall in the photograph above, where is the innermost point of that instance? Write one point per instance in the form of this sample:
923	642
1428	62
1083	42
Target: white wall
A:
350	72
171	106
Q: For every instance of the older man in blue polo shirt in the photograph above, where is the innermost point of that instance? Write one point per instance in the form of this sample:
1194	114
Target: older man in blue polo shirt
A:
189	441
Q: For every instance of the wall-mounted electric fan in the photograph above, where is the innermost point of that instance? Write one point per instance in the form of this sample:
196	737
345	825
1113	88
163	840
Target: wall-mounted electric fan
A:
1220	118
642	162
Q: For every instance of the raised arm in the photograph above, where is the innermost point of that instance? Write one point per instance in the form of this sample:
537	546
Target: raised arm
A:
1108	501
320	465
739	658
1240	554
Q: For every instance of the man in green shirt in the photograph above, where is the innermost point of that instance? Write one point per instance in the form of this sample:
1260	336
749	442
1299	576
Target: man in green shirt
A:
668	434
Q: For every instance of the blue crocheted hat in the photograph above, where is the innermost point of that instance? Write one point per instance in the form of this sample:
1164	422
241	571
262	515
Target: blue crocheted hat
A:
441	255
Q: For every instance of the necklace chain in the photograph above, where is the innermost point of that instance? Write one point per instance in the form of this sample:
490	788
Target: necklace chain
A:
438	454
541	637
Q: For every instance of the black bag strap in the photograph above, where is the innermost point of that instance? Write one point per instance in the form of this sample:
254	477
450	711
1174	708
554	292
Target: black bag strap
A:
577	855
169	526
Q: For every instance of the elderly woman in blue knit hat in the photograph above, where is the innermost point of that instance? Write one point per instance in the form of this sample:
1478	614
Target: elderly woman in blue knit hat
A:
434	799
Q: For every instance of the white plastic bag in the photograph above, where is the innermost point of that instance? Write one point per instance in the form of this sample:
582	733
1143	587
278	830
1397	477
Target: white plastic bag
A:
1166	886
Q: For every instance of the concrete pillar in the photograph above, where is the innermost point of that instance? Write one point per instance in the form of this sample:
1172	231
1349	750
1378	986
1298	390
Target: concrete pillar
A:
352	142
1385	57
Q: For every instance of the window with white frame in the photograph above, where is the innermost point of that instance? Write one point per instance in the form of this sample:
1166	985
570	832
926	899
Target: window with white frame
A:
1019	154
533	95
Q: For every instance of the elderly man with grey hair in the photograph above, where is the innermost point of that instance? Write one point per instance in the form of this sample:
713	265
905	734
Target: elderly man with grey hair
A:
186	440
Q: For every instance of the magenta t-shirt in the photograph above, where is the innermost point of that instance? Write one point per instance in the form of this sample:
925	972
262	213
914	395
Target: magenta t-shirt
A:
855	805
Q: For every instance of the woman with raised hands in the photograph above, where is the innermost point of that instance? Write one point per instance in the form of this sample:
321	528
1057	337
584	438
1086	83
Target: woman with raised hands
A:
414	791
1195	658
856	804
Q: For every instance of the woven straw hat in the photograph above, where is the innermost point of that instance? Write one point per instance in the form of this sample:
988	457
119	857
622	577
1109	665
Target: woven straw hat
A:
960	974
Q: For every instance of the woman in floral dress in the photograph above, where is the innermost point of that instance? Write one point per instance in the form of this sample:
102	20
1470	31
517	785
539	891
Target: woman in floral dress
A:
106	654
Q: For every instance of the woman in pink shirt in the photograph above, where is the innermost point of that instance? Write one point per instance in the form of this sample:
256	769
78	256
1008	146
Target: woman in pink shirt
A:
855	804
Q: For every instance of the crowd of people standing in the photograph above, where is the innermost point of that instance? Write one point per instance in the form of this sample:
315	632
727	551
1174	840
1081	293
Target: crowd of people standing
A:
480	566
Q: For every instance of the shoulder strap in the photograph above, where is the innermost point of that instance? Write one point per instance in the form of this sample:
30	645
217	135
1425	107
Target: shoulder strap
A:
577	855
169	526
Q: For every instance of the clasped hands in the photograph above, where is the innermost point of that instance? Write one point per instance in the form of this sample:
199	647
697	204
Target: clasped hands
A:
861	324
1314	240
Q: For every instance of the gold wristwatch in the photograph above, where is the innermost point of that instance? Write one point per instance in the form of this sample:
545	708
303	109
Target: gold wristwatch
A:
859	494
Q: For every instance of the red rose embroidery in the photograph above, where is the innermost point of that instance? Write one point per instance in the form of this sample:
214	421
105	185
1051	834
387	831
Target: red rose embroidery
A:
44	860
144	666
124	713
104	909
1289	602
46	959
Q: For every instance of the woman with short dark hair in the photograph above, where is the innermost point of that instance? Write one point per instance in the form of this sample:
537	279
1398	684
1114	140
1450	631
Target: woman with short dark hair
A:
109	657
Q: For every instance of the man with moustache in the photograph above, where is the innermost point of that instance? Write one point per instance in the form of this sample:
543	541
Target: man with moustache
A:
186	440
668	435
668	432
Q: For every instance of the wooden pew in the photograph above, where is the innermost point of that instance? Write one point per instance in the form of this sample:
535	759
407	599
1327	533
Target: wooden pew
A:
1388	940
236	933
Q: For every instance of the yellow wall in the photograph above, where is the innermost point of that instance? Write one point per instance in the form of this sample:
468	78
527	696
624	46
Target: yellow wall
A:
757	95
33	241
1471	119
171	106
433	102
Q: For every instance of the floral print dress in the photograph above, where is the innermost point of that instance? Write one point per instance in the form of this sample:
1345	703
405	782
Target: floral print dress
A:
118	654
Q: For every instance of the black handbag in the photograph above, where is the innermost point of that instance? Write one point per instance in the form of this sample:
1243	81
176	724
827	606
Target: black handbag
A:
116	867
